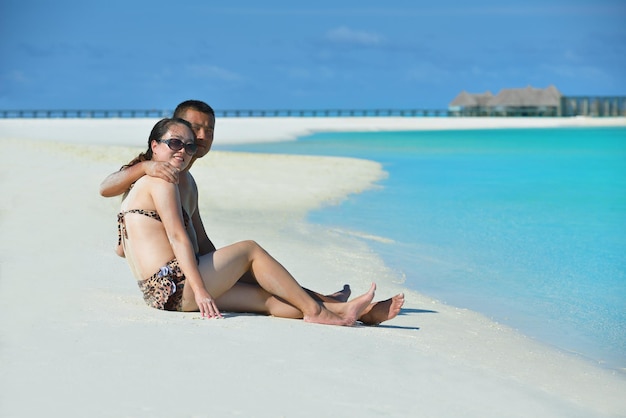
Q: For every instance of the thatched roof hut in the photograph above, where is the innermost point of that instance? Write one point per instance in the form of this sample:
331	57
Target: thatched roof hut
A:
465	99
519	101
527	97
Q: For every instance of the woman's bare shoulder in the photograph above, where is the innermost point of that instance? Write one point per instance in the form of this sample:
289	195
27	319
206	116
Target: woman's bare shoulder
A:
149	181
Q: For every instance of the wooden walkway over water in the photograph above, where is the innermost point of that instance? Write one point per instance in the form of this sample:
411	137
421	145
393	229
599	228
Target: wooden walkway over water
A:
597	106
155	113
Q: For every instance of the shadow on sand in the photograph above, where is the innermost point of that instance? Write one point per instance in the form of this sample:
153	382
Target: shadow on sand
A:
406	311
403	311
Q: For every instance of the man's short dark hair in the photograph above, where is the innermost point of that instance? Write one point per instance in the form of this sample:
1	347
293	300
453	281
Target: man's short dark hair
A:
196	105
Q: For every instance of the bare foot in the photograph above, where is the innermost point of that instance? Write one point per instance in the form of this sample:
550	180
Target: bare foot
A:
382	311
325	317
335	313
343	295
350	311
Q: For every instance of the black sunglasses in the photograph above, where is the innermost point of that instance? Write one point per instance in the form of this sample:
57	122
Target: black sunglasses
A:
177	145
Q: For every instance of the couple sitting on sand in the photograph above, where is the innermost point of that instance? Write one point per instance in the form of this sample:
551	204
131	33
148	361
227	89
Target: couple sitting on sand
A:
177	266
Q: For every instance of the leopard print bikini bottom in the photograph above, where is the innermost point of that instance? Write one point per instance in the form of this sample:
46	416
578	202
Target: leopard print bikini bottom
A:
164	289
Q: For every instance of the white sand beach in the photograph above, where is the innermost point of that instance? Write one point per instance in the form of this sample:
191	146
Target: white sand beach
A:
77	340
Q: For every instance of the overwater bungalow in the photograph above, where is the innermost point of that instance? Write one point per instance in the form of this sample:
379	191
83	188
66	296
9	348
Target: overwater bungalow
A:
471	104
528	101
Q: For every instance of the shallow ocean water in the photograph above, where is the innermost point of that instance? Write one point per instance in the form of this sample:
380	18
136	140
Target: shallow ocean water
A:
527	226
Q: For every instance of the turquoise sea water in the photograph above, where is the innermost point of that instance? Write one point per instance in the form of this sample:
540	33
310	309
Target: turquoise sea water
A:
527	226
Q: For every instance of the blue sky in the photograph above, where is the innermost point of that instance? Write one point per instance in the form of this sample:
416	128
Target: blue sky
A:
302	55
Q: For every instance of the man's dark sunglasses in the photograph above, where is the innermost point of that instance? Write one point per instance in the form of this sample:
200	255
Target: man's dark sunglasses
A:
177	145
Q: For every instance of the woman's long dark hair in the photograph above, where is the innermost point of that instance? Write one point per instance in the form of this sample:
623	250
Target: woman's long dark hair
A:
158	131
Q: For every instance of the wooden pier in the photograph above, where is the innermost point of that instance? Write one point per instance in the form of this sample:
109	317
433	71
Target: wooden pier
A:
596	106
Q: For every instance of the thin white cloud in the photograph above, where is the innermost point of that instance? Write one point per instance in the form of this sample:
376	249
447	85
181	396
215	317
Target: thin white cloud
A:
15	76
346	35
214	72
476	71
610	8
297	72
576	72
571	56
427	72
301	73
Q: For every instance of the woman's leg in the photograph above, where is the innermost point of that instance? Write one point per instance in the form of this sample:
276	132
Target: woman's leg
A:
221	270
252	298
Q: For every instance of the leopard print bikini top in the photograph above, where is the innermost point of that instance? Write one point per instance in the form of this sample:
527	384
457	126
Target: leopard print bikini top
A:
121	225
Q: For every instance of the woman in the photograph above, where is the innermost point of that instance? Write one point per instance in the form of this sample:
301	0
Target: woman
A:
153	232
